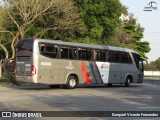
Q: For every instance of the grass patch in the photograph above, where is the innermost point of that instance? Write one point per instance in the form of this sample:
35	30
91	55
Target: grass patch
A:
4	79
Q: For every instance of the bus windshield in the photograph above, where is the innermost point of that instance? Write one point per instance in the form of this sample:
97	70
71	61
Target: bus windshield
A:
25	44
138	61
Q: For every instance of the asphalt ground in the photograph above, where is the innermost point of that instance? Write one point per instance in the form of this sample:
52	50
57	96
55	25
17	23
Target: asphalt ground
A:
138	97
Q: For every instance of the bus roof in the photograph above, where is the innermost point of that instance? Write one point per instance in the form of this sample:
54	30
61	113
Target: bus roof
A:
94	46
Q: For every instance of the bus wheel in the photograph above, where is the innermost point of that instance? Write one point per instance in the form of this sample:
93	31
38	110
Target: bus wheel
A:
127	82
72	82
54	86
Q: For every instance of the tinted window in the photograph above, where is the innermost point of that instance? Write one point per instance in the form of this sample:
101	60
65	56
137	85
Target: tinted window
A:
84	54
125	57
25	44
118	57
112	56
100	55
67	53
49	50
136	59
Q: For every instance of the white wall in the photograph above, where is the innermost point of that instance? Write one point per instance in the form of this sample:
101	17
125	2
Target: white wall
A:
151	73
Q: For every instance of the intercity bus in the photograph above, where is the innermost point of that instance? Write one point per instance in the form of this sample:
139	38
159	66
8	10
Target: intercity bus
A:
55	63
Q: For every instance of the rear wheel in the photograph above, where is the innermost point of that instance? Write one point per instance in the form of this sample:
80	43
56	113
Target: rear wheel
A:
127	82
72	82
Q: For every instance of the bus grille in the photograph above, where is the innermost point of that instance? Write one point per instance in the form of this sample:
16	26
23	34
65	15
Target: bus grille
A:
23	58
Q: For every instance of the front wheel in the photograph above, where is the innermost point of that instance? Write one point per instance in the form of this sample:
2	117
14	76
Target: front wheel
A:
72	82
127	82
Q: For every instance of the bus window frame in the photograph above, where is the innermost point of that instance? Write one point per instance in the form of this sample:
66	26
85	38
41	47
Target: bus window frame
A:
119	59
50	44
72	50
99	50
86	49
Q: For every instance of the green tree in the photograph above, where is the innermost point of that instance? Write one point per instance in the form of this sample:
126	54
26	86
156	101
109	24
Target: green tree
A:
129	35
4	34
101	17
39	18
154	65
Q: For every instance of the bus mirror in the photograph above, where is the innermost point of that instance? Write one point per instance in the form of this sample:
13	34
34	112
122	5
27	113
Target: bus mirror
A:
146	62
143	59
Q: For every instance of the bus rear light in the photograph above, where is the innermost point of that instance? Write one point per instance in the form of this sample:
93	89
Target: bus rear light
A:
33	70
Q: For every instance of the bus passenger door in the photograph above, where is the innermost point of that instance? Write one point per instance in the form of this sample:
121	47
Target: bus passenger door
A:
141	71
115	73
139	64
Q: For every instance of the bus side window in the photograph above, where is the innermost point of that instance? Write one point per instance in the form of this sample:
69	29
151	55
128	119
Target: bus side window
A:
49	50
122	58
100	56
97	55
88	55
70	55
84	54
116	57
110	56
42	49
74	53
129	60
119	57
67	53
64	53
113	56
81	54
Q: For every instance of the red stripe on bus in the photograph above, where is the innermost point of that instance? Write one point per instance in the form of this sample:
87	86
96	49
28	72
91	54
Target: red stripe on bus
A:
85	74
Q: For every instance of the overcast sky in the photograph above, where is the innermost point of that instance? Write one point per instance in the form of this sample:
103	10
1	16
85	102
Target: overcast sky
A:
150	20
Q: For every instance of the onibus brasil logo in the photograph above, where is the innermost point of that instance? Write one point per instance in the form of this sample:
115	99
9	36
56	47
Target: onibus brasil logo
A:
151	6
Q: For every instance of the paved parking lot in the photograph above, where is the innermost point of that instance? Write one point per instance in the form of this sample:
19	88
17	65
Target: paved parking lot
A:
138	97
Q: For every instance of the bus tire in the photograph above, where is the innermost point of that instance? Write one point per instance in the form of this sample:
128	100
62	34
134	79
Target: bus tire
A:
72	82
127	82
54	86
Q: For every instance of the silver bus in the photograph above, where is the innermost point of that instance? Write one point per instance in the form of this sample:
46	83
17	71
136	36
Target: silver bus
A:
55	63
